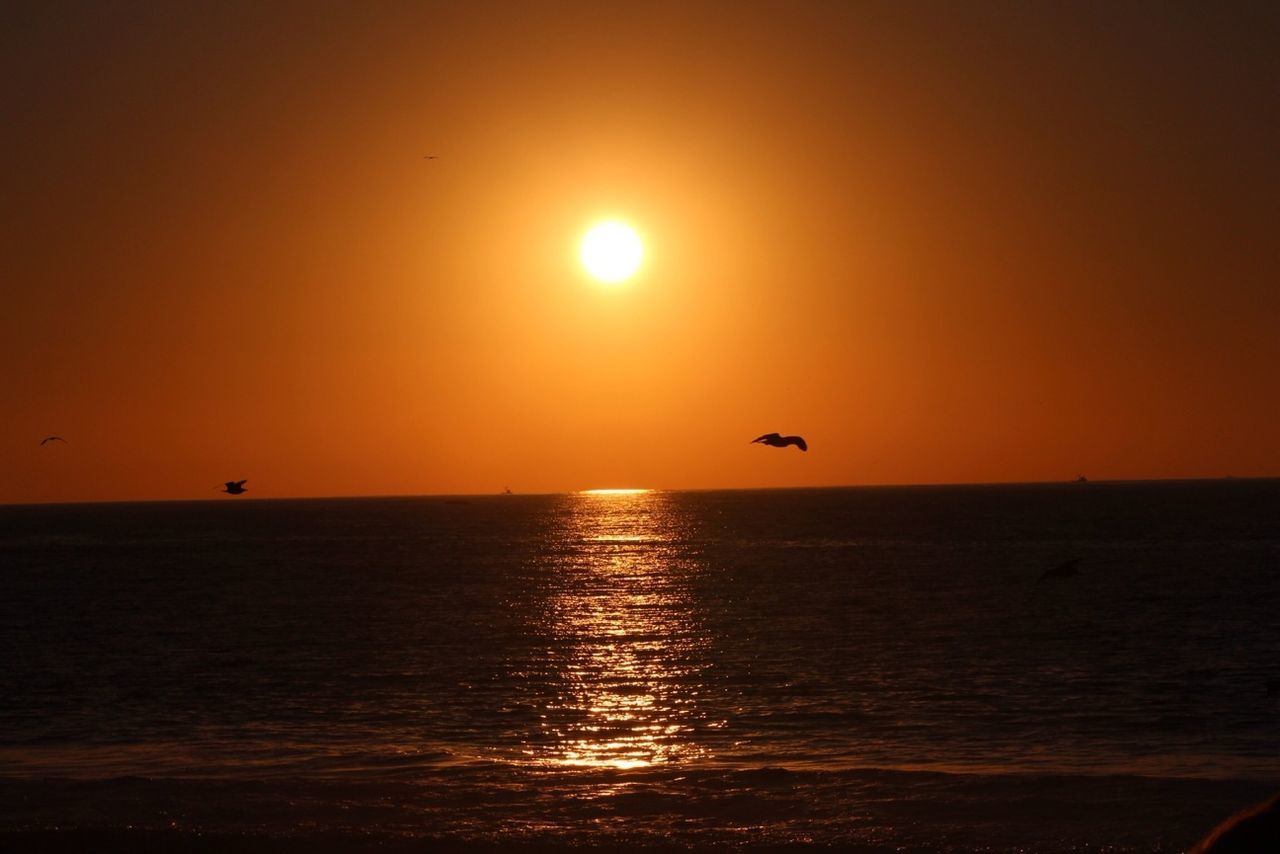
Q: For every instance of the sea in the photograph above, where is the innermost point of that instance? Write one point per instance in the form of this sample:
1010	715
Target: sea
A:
871	669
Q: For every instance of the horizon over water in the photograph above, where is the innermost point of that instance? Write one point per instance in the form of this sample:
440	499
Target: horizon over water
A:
253	495
877	667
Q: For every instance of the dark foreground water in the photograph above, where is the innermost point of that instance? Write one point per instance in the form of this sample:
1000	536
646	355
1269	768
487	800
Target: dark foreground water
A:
875	668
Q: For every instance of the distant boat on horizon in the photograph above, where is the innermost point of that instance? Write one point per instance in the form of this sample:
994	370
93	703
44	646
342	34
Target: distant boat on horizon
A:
1080	479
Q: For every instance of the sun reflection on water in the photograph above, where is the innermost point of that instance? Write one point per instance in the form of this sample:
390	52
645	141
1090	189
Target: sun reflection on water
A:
625	652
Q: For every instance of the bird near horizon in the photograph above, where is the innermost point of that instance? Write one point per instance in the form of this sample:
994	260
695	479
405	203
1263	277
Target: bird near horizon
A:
234	487
48	439
773	440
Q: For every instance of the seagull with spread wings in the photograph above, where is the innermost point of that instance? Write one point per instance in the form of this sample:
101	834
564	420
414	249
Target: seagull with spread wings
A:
773	440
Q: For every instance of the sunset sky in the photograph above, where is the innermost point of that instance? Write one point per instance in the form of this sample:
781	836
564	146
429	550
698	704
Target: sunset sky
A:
944	242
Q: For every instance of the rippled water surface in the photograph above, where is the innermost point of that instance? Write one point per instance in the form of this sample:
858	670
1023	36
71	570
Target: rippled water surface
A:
879	667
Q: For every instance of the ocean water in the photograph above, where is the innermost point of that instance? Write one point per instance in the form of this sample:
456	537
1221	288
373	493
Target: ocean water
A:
880	669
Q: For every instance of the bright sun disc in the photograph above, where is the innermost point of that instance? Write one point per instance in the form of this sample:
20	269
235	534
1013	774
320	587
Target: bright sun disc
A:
611	251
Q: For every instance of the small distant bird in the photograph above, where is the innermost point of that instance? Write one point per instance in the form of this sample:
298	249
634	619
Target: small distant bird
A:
234	487
773	440
48	439
1065	570
431	157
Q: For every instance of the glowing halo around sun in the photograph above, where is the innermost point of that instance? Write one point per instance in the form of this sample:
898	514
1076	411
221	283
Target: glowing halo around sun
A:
611	252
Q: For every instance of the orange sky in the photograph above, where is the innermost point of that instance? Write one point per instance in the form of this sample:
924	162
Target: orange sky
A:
944	242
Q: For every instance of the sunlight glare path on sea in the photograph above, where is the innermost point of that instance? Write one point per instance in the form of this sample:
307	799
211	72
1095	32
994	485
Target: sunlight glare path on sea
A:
631	652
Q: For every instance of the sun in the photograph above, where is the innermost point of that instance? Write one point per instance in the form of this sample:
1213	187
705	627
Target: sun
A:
611	251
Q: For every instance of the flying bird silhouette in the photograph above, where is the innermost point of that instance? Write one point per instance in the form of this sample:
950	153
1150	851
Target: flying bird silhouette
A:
47	439
431	157
773	440
234	487
1064	570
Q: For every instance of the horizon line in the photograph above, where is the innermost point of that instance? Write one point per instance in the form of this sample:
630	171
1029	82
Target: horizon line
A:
639	490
